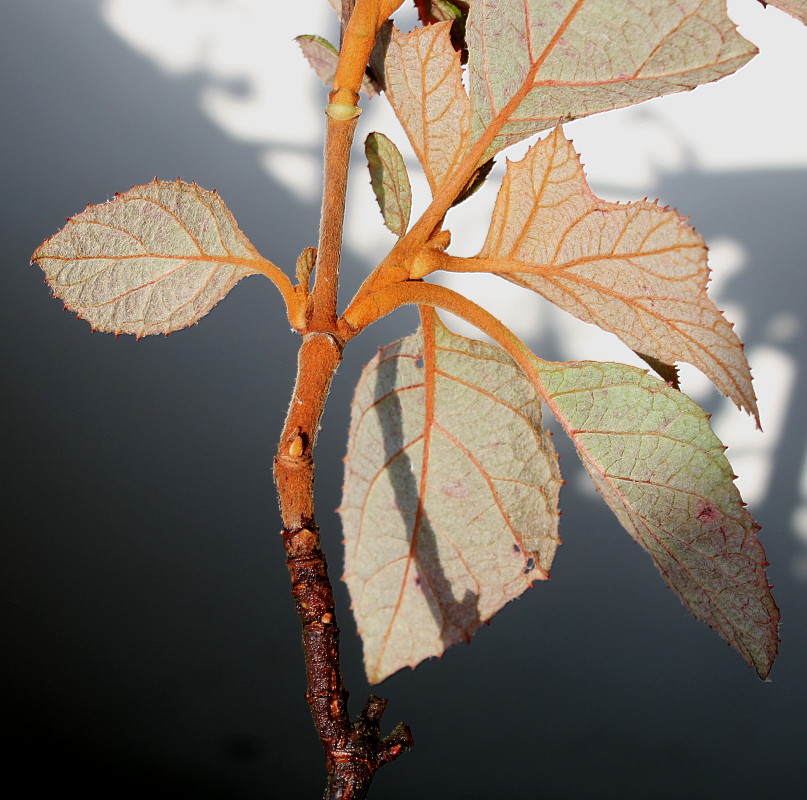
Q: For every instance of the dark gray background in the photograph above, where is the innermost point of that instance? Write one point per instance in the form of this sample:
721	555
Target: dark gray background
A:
150	645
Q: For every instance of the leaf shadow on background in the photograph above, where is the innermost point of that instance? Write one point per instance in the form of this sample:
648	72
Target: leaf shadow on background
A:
423	540
144	638
762	211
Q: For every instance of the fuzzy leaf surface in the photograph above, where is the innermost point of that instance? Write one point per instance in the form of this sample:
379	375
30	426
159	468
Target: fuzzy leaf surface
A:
636	269
450	499
533	63
796	8
390	182
654	459
423	82
153	260
323	58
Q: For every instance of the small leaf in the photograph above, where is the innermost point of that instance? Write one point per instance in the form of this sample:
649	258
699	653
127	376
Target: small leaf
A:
475	184
636	270
305	265
153	260
533	64
652	456
321	55
324	58
667	372
423	83
390	182
432	11
450	499
338	7
796	8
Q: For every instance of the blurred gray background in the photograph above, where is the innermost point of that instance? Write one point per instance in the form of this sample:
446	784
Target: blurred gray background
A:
150	643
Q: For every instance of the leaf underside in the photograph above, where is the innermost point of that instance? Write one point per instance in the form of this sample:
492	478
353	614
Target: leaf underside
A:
390	182
450	499
636	270
535	64
155	259
652	456
423	83
323	58
796	8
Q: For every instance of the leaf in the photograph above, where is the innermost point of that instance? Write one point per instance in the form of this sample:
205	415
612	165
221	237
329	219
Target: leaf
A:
324	58
533	64
155	259
390	182
432	11
338	7
652	456
667	372
306	262
636	269
321	55
476	182
450	498
796	8
423	82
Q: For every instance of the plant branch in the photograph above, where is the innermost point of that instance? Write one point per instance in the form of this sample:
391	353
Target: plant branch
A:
338	138
371	306
294	304
342	114
430	260
353	750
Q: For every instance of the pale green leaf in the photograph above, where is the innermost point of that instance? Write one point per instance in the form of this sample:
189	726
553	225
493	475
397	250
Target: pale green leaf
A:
534	63
443	11
636	269
423	83
154	259
390	182
652	456
321	55
323	58
450	498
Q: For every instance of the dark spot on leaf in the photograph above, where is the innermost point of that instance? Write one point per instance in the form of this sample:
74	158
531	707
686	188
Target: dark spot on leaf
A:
529	566
707	512
516	548
454	489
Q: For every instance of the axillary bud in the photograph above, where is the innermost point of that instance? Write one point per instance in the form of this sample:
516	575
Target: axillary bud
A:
342	105
341	112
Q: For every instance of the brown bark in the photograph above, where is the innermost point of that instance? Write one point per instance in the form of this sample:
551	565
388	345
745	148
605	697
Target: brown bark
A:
353	750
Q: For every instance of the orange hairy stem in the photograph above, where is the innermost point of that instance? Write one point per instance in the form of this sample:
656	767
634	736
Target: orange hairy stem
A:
341	115
371	306
338	138
354	750
359	37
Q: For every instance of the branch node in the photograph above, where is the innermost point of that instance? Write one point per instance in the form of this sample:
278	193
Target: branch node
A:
398	742
373	710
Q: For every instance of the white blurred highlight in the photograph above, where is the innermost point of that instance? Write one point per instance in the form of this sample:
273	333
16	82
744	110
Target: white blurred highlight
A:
258	89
